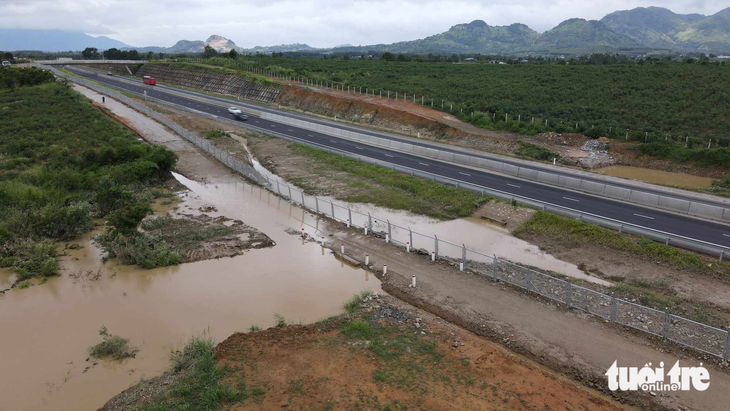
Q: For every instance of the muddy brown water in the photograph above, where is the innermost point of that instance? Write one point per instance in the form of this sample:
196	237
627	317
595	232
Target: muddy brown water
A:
48	328
657	176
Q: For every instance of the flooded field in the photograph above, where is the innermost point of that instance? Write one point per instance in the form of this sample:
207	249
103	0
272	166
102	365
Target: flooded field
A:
48	328
657	176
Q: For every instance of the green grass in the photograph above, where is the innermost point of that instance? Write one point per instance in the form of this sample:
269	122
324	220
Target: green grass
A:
393	189
62	163
406	359
200	385
355	302
536	152
575	233
113	346
280	320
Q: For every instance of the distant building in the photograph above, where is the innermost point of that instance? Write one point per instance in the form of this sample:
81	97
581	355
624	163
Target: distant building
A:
523	61
470	59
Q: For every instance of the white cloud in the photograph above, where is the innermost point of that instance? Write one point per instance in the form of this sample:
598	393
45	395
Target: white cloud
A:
319	23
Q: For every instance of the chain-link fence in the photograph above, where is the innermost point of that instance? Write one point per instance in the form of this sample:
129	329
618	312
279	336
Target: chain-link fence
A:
686	332
702	337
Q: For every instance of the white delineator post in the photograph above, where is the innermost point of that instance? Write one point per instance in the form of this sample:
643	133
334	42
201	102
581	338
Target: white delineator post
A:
366	231
342	248
408	247
367	260
387	238
348	223
433	256
413	281
385	269
461	266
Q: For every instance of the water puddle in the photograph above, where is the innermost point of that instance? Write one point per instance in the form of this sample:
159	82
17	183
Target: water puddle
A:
657	176
52	325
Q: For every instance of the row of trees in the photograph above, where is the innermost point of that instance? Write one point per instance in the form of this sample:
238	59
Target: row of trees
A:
92	53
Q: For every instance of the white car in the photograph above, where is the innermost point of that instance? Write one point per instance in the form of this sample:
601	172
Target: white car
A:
237	113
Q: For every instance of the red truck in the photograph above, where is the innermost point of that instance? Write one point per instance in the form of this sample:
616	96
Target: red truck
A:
149	80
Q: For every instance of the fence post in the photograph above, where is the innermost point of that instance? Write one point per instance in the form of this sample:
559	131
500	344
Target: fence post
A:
583	299
568	293
410	236
463	254
390	236
370	222
278	189
289	192
494	267
726	355
303	205
613	309
316	204
528	279
332	205
436	246
349	216
665	328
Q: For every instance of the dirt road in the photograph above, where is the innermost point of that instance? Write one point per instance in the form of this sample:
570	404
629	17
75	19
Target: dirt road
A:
571	341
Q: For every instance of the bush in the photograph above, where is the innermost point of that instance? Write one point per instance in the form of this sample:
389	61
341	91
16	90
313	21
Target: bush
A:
142	249
536	152
113	346
29	258
126	220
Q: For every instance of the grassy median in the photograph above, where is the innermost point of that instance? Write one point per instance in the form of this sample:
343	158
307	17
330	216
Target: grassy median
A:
392	189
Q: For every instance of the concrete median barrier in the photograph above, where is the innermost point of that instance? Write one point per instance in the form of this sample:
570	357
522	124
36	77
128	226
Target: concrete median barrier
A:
706	211
592	187
548	178
570	182
644	198
510	169
674	204
618	193
528	173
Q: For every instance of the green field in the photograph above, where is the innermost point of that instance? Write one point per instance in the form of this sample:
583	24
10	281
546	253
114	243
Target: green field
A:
662	98
62	163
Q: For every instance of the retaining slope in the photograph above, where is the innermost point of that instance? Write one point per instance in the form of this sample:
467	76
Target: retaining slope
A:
213	82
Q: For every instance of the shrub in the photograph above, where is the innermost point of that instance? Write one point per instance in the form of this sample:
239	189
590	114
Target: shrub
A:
29	258
113	346
536	152
142	249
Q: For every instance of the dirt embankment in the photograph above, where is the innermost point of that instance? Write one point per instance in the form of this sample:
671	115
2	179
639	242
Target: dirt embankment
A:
385	355
377	113
417	120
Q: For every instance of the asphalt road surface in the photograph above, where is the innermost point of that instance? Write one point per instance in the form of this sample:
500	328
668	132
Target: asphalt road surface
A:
678	225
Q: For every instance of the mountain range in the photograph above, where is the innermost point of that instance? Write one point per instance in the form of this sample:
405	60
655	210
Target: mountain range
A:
640	29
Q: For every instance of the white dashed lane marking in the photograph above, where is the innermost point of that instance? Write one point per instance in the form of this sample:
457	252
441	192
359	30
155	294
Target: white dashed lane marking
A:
465	174
423	164
644	216
572	199
513	185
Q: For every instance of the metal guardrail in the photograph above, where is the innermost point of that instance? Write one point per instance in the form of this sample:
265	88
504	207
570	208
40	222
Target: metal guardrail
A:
637	196
701	337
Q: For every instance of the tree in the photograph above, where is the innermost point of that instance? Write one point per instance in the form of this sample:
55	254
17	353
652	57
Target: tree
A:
387	56
209	52
233	54
8	56
90	53
401	57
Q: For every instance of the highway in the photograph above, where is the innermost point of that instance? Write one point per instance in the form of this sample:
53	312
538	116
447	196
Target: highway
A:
714	233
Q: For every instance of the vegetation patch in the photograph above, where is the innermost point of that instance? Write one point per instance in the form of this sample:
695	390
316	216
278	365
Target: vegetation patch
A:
113	346
536	152
573	233
62	163
386	188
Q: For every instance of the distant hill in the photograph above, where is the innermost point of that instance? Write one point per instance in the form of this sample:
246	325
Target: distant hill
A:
580	34
281	48
709	34
53	40
637	30
659	27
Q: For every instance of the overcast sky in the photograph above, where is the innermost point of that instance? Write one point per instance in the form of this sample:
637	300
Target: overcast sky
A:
319	23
